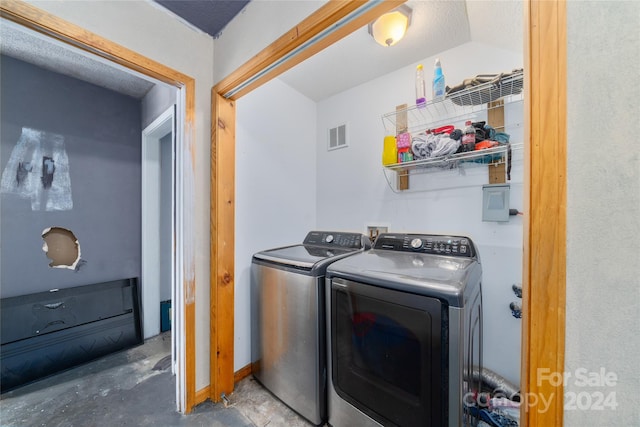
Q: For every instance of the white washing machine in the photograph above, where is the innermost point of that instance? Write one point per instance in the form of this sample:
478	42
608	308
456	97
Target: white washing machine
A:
404	324
288	318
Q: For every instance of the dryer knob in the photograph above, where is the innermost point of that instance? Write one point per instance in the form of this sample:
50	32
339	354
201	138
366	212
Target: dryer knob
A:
416	243
329	238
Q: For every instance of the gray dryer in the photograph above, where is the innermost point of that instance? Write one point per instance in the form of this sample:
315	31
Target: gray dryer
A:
404	322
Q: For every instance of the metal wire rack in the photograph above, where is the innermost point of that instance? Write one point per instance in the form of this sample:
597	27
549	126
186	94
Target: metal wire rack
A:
458	106
490	155
493	156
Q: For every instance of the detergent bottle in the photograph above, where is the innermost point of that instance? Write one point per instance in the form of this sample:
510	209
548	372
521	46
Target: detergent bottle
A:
389	150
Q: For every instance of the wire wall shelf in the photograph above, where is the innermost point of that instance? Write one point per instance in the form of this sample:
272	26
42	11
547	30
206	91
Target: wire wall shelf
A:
459	106
494	155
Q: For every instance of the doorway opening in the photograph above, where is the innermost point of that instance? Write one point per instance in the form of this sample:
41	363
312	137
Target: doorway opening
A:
543	270
158	207
125	64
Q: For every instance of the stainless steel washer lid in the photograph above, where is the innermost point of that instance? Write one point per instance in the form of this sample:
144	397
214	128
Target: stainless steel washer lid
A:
440	276
301	256
319	249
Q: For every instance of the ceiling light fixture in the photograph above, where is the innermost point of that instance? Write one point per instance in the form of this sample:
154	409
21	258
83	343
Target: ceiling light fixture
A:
389	28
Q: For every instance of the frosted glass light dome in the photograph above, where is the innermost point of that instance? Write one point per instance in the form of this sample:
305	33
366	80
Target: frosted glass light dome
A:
391	27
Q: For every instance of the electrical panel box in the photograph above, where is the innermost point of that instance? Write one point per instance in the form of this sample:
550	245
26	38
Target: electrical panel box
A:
495	202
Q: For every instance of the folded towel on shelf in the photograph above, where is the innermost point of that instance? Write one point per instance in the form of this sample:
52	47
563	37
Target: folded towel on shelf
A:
421	146
425	146
445	146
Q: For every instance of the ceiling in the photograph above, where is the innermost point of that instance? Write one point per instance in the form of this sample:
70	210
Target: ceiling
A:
18	42
45	52
210	16
436	26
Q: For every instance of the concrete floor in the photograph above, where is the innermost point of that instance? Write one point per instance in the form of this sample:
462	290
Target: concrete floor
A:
135	388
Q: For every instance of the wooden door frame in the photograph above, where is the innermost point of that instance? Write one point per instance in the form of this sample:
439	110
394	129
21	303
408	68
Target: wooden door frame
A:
544	260
544	263
45	23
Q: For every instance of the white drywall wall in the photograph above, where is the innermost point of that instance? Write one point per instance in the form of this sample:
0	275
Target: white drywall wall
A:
149	30
352	189
259	24
275	186
498	23
603	212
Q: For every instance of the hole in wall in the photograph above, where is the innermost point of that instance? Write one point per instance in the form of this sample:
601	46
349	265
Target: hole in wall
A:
61	247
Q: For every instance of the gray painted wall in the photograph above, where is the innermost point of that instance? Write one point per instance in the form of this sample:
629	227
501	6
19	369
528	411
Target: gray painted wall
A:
102	133
603	214
168	41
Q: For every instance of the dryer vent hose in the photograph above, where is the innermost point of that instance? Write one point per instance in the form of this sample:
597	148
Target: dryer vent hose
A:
496	383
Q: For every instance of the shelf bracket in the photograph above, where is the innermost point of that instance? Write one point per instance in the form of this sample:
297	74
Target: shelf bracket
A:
497	172
401	127
495	115
495	118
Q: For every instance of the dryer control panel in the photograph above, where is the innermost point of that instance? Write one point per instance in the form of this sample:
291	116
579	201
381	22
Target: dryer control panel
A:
426	243
339	239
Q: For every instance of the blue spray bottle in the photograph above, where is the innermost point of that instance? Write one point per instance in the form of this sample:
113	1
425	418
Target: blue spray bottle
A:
438	82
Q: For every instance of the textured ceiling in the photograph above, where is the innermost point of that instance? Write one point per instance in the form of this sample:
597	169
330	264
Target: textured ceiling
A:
210	16
18	42
436	26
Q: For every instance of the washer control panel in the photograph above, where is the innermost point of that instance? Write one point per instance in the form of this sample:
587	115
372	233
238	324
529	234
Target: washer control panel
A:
426	243
339	239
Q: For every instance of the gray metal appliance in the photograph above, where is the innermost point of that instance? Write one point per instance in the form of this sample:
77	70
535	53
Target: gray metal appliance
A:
404	323
288	327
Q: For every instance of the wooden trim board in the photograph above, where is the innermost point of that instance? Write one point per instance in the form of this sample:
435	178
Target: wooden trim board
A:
223	139
242	373
52	26
544	264
202	395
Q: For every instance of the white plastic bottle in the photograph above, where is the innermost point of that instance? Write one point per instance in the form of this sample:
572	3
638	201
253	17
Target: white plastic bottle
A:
438	82
421	99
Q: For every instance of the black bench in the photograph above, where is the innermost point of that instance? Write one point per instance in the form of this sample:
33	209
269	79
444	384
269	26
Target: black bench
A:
46	332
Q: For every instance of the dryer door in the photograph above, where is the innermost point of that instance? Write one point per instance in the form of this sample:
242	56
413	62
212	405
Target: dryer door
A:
389	353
